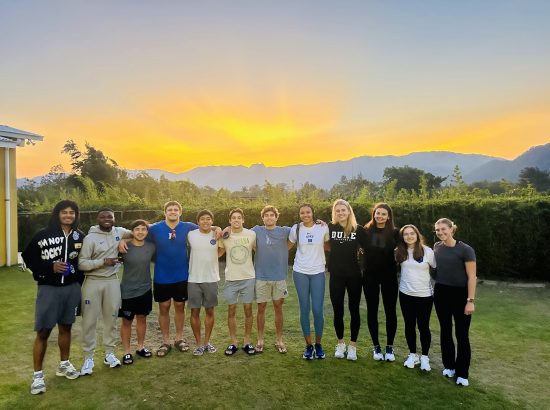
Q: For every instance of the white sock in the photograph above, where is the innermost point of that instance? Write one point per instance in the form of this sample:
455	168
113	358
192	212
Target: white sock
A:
63	363
38	374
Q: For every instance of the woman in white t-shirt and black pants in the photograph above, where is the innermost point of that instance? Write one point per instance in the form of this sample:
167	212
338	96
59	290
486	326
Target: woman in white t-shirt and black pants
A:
415	292
309	277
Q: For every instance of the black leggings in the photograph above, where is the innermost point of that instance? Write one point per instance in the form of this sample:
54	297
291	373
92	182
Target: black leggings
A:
417	310
449	304
338	285
372	285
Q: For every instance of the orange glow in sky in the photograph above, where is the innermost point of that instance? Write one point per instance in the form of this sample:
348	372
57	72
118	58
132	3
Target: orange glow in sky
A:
189	85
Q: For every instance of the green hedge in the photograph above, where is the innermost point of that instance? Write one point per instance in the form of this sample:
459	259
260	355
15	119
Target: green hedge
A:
509	235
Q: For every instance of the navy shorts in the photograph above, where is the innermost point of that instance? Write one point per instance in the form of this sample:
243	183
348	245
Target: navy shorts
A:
56	305
140	305
167	291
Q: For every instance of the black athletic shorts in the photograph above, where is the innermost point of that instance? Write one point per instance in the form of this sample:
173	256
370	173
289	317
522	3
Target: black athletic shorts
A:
176	291
140	305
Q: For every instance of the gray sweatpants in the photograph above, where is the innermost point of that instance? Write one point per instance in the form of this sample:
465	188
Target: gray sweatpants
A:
100	297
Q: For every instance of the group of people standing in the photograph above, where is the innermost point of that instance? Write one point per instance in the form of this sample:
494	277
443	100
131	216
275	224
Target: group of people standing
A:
77	272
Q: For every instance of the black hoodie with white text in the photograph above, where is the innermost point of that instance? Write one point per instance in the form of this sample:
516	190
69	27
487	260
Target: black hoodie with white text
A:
53	245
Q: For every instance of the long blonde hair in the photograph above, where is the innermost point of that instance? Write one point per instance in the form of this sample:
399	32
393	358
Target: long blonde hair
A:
351	223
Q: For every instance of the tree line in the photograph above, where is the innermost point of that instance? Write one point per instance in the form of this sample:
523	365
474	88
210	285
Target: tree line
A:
96	180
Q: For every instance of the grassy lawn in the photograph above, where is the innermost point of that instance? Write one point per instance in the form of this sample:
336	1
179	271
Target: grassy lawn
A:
511	363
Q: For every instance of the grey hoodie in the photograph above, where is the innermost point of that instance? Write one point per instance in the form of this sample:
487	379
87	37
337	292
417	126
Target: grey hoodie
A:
97	246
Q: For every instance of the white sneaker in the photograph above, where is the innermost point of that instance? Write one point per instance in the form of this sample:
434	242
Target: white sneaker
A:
390	356
377	353
68	371
38	385
450	373
111	360
352	352
462	382
340	352
412	360
425	363
87	367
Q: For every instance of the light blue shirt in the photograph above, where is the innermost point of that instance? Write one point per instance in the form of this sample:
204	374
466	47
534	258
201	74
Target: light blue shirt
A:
271	259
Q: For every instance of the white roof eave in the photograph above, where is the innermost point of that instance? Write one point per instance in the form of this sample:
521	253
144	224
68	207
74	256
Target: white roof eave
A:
18	135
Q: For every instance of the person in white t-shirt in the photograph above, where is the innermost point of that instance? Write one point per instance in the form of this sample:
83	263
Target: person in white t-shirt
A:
415	292
309	277
204	274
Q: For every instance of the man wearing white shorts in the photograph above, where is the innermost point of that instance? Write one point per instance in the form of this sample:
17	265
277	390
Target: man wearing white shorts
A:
271	265
204	274
239	279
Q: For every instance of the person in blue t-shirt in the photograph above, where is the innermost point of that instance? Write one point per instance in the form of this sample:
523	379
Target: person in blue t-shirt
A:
271	264
171	273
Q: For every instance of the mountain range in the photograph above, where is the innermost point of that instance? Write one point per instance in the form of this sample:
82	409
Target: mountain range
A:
474	167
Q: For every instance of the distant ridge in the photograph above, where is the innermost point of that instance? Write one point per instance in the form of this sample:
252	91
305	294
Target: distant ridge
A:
474	168
325	174
497	169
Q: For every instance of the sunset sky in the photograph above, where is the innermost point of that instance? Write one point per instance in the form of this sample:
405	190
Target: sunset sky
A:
180	84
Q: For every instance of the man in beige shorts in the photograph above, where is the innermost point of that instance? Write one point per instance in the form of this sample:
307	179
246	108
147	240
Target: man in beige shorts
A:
271	265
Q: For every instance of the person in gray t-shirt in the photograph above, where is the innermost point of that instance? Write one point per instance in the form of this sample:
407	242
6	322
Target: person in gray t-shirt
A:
271	265
135	287
454	299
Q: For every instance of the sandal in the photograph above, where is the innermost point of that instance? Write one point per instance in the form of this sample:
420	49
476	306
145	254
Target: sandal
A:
163	350
249	349
281	348
127	359
181	345
259	348
231	350
144	352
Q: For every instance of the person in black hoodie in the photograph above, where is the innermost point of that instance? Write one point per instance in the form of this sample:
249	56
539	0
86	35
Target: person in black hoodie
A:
52	256
380	275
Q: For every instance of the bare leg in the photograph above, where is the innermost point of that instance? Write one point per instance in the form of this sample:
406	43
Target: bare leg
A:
196	324
125	334
248	318
179	318
278	309
39	348
141	328
208	325
64	341
260	322
164	320
232	323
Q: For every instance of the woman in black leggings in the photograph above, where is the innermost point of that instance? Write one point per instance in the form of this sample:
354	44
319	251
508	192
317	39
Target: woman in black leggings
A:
380	276
345	274
454	297
415	293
